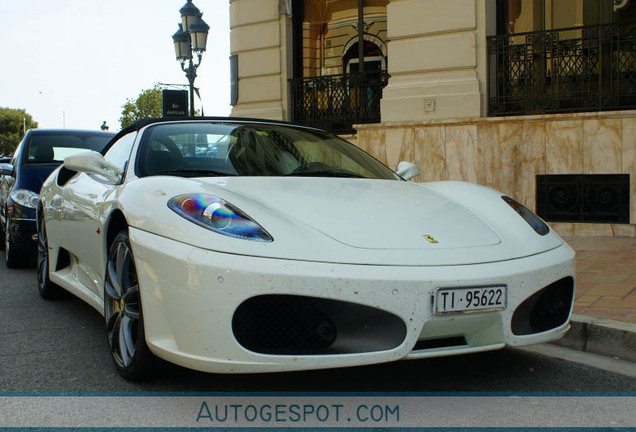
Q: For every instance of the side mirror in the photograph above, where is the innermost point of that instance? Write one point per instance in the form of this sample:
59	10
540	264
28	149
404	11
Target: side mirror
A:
407	170
94	163
6	169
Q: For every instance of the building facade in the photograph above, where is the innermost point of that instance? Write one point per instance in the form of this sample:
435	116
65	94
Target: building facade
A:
535	98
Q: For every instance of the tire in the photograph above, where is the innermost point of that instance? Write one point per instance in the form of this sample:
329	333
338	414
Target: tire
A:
47	289
13	258
123	314
2	236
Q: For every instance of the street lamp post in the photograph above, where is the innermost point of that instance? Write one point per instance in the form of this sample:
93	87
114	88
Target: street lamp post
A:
190	40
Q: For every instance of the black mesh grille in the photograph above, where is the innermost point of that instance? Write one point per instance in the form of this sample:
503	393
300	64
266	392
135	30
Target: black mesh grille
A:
282	324
299	325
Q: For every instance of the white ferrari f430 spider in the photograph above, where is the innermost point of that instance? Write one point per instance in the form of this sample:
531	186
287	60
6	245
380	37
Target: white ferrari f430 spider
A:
228	245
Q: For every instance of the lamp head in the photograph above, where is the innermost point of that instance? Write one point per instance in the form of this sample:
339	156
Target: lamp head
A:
181	41
189	12
199	34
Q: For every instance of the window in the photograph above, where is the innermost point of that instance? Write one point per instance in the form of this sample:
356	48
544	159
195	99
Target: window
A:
330	29
520	16
331	89
54	147
562	56
119	152
198	150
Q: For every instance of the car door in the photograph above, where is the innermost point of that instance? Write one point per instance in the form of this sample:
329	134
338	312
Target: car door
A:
87	200
4	162
8	183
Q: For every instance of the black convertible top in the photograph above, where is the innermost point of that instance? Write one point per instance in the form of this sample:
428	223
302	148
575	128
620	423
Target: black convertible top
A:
145	122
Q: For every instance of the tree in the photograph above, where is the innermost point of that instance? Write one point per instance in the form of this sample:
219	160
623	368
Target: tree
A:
13	125
147	105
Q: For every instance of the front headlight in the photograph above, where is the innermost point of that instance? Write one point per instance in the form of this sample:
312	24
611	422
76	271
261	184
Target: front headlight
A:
25	198
533	220
219	216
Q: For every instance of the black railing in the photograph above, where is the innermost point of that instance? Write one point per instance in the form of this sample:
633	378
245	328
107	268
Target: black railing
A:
590	68
337	102
593	198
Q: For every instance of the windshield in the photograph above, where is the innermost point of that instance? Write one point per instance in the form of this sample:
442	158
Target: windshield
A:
54	147
226	149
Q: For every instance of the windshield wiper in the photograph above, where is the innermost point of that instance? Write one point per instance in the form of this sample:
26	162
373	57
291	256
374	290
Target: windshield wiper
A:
317	169
193	173
324	173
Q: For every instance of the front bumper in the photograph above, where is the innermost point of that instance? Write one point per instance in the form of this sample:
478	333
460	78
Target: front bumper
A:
190	297
23	233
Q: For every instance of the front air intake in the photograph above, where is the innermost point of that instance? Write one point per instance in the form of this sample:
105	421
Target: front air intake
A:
300	325
545	310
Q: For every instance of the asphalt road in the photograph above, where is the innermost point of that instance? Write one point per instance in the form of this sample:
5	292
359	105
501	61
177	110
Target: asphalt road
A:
60	346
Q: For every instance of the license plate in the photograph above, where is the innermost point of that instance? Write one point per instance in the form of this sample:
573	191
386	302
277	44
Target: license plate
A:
474	299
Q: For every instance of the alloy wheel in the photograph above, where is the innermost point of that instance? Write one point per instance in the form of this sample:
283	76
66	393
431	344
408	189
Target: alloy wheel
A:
13	257
43	253
7	240
47	289
122	303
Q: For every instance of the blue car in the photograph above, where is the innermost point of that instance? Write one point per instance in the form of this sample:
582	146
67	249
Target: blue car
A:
37	155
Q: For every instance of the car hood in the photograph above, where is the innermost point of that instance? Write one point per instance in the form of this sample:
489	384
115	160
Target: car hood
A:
32	176
356	221
372	214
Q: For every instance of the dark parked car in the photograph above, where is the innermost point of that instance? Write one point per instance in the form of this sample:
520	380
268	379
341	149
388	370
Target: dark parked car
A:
37	155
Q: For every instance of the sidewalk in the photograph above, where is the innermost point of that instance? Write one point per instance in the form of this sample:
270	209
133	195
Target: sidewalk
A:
605	277
604	320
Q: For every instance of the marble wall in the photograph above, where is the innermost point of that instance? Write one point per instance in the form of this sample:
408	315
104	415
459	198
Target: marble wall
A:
507	153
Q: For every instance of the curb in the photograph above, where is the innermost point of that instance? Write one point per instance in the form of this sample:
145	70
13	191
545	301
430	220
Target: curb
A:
601	336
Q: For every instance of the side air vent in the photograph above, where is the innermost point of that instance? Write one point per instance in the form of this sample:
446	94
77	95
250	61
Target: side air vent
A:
64	175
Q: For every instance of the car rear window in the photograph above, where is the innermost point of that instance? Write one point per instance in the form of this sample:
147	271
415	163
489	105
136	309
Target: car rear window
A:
54	148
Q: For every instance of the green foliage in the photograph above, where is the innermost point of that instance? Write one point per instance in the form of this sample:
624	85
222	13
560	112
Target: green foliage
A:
12	128
147	105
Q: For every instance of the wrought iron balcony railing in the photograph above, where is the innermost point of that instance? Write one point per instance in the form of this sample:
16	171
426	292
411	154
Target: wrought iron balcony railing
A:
590	68
337	102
